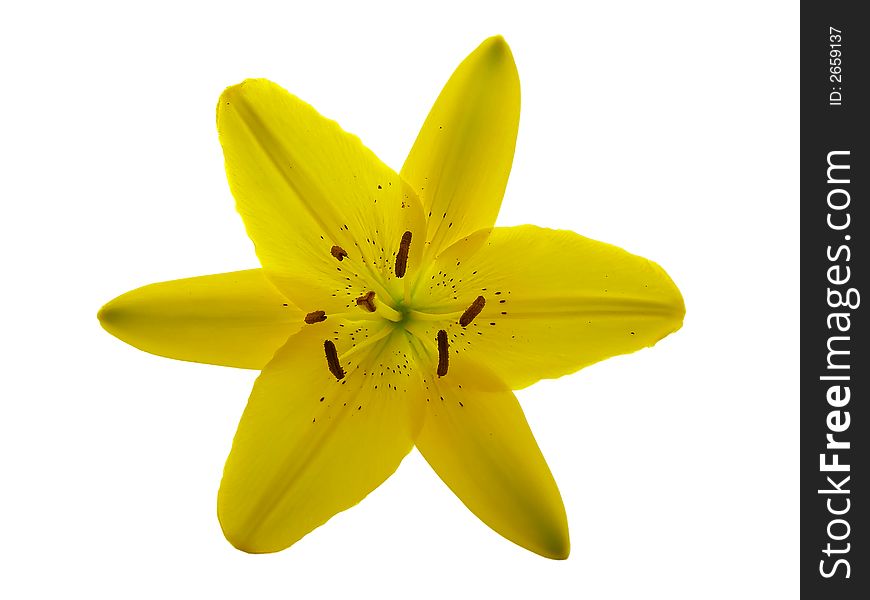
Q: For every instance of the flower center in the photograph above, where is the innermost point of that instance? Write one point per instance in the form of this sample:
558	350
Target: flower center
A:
376	313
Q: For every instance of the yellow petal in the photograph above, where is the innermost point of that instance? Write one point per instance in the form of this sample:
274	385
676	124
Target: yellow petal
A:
302	186
479	443
555	302
310	445
232	319
460	162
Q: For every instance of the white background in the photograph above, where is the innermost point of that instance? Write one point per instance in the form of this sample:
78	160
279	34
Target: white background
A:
670	129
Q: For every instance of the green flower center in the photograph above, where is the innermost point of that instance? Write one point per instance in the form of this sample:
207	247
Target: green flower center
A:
398	314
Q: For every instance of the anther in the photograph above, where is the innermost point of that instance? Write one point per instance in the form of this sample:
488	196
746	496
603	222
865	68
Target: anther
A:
367	302
402	254
472	311
317	316
443	353
338	252
332	360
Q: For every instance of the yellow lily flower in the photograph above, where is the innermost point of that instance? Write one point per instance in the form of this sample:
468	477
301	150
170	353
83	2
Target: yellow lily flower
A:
390	313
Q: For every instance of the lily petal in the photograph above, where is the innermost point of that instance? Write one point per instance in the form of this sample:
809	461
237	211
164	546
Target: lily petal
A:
232	319
310	445
460	162
555	301
304	186
480	445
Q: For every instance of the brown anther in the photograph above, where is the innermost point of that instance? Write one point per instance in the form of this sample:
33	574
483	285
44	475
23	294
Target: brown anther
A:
472	311
338	252
367	302
402	254
332	360
443	353
317	316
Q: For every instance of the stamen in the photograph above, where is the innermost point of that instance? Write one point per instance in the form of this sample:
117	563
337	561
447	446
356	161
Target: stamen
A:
402	254
317	316
472	311
332	360
443	353
338	252
367	302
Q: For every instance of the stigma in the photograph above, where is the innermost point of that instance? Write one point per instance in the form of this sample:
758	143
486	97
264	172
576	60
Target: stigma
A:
367	302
